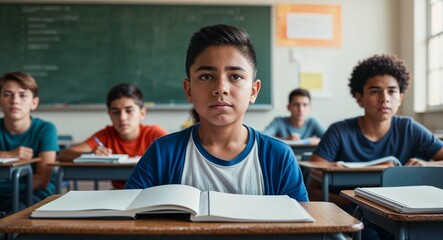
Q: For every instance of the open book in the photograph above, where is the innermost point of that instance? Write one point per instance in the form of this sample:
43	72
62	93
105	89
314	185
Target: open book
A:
6	160
405	199
381	162
204	206
114	158
297	142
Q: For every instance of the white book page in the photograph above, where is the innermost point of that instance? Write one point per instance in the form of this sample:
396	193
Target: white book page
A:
130	160
410	196
255	208
92	200
6	160
372	163
99	158
168	197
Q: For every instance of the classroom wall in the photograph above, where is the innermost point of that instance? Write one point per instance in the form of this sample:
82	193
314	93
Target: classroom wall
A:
368	27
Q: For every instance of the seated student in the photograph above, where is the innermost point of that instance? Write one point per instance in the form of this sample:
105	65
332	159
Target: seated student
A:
298	126
126	135
220	153
25	137
378	84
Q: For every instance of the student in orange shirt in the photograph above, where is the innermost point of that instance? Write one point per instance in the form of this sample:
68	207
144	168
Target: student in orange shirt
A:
126	135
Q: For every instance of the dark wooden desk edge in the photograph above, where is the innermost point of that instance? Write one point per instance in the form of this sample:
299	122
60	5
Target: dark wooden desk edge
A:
302	145
387	213
21	223
90	164
329	167
19	162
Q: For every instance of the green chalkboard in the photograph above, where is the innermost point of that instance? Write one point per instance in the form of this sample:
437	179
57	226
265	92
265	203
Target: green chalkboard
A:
78	51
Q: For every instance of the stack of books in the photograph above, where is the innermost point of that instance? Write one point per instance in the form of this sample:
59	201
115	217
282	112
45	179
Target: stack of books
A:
405	199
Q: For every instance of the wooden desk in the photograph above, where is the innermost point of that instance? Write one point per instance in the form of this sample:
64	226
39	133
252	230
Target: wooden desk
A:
299	148
91	171
403	226
330	219
333	176
14	171
439	135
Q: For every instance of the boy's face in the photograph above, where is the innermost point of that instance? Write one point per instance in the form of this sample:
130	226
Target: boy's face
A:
381	97
17	102
299	107
126	117
221	85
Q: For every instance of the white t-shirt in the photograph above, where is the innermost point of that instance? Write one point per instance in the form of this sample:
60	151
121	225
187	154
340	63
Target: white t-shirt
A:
208	173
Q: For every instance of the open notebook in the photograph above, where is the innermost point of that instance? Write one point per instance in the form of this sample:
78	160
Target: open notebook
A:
114	158
202	206
380	162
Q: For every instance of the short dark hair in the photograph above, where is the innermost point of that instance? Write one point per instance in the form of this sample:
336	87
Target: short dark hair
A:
194	115
25	80
129	90
218	35
299	92
379	65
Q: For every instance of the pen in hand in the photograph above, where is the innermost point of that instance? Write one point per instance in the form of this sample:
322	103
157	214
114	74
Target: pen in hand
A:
102	149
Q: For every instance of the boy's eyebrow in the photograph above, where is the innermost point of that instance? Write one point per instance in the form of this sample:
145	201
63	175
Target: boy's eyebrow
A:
210	68
9	91
125	107
374	87
204	67
378	87
235	68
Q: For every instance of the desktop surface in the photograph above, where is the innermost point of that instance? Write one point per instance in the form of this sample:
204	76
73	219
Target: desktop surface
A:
329	219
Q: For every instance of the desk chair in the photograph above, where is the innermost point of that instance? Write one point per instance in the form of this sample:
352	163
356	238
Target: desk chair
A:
63	139
410	176
406	176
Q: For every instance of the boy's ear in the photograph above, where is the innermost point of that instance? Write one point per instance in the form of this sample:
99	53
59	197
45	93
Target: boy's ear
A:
143	112
401	99
187	88
256	85
35	102
359	97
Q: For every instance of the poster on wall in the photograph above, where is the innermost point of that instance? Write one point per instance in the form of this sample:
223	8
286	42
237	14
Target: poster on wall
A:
308	25
316	82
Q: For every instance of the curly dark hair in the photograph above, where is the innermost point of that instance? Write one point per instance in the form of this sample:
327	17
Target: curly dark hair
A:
379	65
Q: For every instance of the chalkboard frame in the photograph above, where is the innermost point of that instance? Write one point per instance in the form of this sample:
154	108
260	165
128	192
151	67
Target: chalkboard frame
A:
266	88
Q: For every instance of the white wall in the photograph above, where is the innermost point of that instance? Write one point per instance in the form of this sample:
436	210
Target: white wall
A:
368	27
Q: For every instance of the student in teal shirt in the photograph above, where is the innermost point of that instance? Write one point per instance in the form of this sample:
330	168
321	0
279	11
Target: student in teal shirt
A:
299	126
25	137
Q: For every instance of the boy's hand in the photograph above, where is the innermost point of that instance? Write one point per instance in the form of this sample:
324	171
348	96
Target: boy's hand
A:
23	152
102	151
314	140
415	162
294	137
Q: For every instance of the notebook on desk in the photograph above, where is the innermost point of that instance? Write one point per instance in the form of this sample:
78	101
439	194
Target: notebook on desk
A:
405	199
7	160
114	158
388	161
